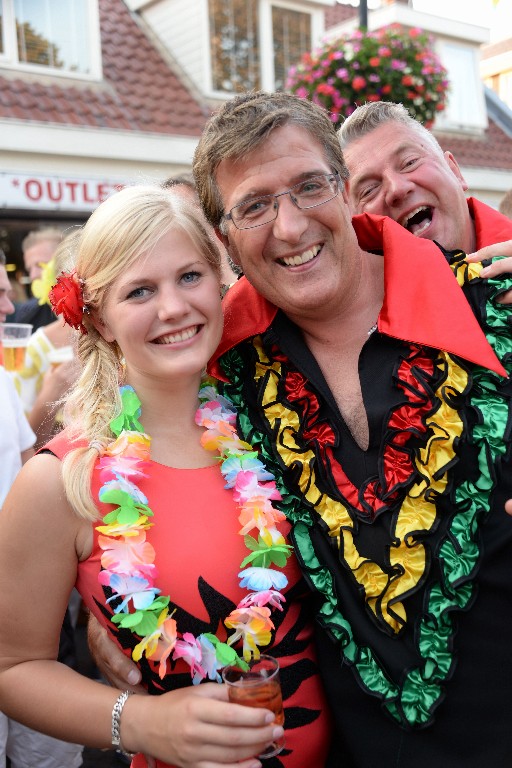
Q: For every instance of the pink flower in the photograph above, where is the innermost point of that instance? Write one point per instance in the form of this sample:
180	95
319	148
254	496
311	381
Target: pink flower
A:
248	488
189	649
127	556
212	413
266	597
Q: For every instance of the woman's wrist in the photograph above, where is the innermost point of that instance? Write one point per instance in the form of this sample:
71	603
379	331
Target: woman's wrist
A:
117	712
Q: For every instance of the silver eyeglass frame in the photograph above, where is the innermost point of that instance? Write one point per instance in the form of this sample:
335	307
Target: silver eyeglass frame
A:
229	217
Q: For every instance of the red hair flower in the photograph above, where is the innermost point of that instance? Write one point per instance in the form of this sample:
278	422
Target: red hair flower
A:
67	299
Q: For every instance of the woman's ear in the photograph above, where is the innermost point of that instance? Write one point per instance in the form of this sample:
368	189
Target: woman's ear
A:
101	327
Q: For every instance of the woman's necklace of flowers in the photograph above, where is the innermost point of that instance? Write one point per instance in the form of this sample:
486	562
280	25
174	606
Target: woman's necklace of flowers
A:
128	559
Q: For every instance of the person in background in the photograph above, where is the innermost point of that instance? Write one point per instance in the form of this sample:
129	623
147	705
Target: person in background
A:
505	206
398	169
44	380
184	180
184	183
16	447
21	745
130	502
16	437
6	305
38	248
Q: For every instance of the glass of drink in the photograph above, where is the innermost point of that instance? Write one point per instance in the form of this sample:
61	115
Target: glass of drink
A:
60	355
258	686
15	338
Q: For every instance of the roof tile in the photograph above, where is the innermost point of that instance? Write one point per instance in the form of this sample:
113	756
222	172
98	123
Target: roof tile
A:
492	150
138	85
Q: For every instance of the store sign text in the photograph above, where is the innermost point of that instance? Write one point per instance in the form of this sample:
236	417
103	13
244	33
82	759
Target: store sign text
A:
54	192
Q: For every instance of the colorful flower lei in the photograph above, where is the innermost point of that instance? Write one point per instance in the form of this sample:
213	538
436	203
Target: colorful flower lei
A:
67	299
127	561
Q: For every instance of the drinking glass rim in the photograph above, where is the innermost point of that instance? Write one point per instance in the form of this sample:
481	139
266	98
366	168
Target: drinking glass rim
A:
247	682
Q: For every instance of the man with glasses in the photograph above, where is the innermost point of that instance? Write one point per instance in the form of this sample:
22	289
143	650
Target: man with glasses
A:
375	388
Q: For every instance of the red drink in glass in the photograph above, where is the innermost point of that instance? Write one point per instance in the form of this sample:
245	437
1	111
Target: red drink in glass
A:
258	687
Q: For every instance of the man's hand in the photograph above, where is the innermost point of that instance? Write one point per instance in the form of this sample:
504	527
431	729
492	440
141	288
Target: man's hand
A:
499	267
490	251
110	660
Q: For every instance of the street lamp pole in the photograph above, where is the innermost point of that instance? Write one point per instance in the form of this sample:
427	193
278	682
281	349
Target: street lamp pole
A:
363	14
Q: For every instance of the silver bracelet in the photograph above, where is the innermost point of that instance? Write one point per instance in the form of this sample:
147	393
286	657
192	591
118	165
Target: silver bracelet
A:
116	720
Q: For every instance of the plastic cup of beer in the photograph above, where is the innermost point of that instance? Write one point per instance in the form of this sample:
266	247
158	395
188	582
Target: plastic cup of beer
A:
60	355
259	686
15	338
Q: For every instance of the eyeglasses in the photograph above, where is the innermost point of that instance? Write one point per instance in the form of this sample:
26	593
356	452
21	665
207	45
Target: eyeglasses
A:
310	193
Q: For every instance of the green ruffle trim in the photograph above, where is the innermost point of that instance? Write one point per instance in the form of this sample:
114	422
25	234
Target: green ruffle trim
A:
413	701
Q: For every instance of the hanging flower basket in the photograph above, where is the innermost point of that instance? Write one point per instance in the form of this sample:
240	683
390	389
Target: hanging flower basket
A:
391	64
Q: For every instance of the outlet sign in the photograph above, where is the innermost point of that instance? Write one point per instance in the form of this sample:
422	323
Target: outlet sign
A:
55	193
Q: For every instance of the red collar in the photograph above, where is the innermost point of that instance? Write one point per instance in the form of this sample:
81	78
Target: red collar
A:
415	276
490	225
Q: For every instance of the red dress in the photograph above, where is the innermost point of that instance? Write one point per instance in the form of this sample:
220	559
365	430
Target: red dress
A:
198	555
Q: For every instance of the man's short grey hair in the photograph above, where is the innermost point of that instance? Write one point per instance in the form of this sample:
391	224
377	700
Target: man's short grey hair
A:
373	114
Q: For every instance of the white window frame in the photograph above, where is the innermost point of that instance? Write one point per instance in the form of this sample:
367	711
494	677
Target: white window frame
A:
474	120
266	36
9	59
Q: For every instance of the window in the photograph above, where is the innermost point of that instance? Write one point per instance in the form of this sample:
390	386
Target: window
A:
465	109
239	33
61	36
292	38
235	50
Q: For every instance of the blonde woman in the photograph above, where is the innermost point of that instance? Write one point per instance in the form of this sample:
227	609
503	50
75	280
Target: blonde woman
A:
150	503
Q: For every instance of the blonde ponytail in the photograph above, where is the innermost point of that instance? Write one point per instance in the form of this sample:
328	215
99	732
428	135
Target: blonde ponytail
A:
92	404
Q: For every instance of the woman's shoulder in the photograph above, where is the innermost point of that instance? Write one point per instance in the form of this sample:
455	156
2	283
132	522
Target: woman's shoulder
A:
64	442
